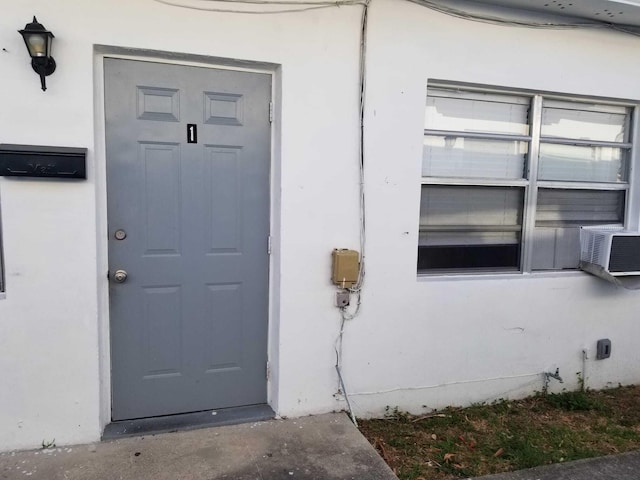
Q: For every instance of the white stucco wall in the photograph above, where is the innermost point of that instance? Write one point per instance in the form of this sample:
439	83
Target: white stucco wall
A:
428	332
412	333
50	336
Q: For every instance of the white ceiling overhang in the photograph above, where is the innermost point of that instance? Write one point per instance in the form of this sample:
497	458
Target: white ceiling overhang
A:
619	12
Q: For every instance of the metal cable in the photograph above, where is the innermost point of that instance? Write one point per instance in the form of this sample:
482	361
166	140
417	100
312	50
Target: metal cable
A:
307	6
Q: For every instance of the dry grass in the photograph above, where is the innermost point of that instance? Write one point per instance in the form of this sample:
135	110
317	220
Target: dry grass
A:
508	435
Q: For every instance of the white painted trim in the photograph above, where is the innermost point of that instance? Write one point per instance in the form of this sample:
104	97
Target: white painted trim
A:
3	273
633	175
539	274
100	178
104	345
273	356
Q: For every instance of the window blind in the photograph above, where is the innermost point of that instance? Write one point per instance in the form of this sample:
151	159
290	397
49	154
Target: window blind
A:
470	215
579	207
477	112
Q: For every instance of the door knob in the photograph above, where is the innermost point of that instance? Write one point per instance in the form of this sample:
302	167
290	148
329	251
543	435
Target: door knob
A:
120	276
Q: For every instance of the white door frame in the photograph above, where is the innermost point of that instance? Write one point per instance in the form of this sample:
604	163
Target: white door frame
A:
104	344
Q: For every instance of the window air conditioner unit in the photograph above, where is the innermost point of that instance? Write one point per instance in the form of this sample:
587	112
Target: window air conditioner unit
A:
611	249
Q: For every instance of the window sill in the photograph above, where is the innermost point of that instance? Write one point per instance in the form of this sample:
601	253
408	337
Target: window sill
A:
426	277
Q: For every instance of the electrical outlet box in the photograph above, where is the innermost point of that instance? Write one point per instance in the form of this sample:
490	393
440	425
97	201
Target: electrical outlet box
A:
603	349
346	267
342	299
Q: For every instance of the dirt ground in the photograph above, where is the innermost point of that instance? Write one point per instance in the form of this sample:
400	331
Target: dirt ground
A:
507	435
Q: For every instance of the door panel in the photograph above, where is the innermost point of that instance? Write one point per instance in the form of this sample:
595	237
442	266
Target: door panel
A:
189	324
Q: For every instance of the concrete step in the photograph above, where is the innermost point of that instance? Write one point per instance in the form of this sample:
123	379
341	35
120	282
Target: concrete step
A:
311	448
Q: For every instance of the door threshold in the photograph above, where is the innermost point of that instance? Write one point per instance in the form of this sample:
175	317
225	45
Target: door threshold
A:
187	421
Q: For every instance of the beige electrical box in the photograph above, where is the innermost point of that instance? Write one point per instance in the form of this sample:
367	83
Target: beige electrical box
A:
346	267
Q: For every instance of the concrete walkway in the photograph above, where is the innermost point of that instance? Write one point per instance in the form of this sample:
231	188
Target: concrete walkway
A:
310	448
615	467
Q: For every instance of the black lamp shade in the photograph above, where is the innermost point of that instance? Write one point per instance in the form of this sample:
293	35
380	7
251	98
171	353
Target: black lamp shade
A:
38	39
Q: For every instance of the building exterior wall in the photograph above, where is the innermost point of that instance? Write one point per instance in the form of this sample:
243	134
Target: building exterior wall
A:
418	341
507	329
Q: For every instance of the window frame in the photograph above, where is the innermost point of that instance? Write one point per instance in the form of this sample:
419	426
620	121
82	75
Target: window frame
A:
529	181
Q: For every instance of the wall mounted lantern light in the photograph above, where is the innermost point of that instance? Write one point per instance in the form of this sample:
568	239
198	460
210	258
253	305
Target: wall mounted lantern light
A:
38	40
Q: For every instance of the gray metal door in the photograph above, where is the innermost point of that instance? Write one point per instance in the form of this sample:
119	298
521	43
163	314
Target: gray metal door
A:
188	153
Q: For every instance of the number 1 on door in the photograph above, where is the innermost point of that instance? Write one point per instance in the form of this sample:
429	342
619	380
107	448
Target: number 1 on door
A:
192	133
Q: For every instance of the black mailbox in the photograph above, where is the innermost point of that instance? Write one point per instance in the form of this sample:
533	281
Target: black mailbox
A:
44	162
